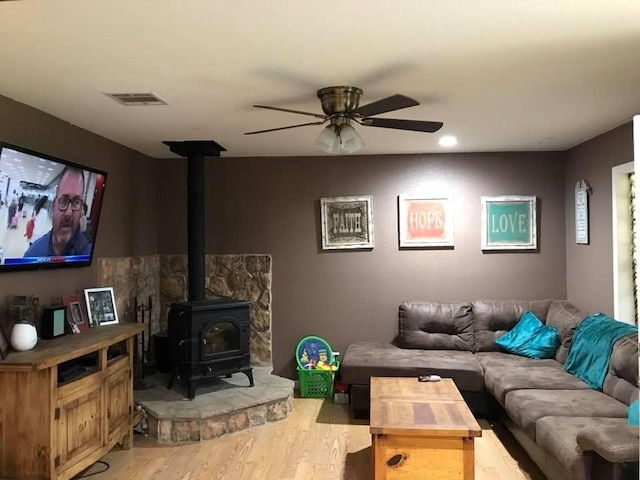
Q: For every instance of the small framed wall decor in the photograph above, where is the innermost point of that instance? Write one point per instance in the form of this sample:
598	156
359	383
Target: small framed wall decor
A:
425	221
509	222
582	212
101	306
347	222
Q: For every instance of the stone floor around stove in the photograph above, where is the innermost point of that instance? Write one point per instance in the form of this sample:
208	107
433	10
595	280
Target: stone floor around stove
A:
221	406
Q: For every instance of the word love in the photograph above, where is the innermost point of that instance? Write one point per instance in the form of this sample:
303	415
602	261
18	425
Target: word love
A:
509	223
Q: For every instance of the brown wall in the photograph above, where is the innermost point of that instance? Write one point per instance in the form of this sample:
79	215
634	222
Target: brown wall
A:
128	221
271	205
590	267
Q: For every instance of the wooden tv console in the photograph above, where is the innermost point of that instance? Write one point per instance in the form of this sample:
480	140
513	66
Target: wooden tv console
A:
54	429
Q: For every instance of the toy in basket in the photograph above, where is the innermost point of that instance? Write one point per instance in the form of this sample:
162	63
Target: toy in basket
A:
314	353
316	367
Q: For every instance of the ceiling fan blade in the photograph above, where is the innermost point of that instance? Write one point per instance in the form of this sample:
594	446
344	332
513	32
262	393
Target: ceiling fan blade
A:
317	115
284	128
389	104
415	125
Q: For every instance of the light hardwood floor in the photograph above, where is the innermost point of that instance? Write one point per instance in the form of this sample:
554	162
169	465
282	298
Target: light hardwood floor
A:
317	441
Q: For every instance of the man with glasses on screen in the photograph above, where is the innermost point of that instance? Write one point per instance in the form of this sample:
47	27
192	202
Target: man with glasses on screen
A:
65	236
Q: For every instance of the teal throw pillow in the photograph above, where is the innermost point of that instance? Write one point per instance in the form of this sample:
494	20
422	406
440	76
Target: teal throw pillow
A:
530	338
634	410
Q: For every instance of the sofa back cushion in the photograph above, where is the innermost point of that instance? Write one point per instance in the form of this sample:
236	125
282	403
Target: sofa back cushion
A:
494	318
565	317
436	326
621	381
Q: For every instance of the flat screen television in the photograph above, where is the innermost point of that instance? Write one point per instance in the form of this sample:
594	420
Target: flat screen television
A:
49	210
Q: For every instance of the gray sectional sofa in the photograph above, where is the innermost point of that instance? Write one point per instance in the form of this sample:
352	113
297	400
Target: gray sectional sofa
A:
570	430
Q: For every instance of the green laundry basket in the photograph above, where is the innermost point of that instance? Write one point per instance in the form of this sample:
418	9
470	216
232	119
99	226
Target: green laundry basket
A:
317	383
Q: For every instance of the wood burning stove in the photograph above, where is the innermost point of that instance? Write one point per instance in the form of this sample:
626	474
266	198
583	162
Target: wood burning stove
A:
209	339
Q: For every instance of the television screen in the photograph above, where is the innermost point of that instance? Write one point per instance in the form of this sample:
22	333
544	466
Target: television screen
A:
49	210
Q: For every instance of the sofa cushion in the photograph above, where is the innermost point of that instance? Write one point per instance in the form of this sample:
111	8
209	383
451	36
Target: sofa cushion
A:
621	381
494	318
501	380
502	359
558	436
530	338
613	441
525	407
365	360
436	326
565	317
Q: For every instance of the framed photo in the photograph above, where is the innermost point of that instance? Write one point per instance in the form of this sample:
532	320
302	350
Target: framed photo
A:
509	223
76	315
76	318
4	344
347	222
101	306
425	221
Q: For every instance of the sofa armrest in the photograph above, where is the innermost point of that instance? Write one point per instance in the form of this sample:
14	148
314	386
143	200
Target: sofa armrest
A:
615	444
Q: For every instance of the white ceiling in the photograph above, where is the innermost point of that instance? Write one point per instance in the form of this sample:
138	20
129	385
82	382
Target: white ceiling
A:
502	75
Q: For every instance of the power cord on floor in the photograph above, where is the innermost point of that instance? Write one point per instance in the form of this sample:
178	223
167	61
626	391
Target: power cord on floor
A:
80	475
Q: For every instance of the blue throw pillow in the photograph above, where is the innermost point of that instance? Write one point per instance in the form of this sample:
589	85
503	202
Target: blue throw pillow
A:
632	418
530	338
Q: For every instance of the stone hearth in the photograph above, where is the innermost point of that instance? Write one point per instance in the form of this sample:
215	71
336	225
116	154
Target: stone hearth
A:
163	278
223	405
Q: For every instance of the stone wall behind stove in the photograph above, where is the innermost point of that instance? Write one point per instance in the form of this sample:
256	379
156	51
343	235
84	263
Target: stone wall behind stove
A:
163	279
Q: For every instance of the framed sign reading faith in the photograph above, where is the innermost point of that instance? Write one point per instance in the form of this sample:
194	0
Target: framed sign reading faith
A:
425	221
509	223
347	222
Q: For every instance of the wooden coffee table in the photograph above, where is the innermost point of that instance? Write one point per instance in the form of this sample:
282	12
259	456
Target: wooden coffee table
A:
421	430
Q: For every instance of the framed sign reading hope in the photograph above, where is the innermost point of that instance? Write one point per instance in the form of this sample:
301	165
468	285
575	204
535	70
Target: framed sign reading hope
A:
509	223
425	221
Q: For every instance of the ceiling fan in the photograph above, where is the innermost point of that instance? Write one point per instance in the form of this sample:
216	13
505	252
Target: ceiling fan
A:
341	106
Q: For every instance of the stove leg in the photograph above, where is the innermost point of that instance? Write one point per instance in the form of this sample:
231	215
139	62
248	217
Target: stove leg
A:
249	374
171	380
192	390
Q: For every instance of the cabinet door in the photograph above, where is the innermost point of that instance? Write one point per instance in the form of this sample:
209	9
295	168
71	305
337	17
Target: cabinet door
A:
118	402
79	424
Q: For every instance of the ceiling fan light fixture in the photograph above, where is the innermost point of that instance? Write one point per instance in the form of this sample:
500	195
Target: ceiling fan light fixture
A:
350	141
329	140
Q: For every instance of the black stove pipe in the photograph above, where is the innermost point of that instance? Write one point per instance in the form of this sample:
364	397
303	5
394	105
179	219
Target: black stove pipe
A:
196	151
195	226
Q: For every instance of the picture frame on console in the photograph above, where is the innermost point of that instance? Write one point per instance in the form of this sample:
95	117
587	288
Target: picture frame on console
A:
76	316
425	221
509	222
101	306
4	344
347	222
76	313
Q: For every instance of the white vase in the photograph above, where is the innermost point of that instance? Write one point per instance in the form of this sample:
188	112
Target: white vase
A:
24	335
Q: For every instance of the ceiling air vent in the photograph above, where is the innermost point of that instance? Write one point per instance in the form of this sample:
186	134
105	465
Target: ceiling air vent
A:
136	99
